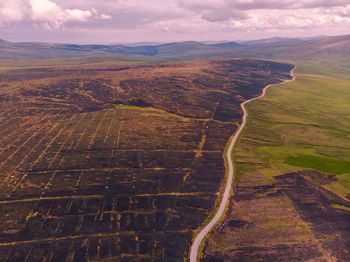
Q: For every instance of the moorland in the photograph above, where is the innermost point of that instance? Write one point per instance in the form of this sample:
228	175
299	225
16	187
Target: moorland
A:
117	162
116	153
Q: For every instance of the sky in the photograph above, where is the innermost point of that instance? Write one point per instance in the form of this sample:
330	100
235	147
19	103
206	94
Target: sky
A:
128	21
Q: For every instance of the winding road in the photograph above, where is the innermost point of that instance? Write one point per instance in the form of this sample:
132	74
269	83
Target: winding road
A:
225	198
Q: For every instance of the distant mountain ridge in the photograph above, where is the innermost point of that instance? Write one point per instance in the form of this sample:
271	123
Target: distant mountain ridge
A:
322	48
32	50
272	40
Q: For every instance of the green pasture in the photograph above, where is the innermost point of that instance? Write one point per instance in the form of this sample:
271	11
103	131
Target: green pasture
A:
304	124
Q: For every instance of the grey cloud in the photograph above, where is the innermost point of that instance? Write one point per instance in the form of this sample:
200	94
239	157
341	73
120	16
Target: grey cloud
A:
224	15
197	5
326	3
340	11
286	4
224	10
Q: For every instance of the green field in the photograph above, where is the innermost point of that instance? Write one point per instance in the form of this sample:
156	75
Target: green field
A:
300	125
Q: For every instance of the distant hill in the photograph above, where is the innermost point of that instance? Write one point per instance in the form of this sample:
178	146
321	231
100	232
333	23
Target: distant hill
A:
323	49
10	50
181	48
272	40
327	50
226	45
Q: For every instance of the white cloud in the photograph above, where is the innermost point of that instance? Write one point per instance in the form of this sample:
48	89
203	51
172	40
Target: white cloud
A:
44	9
49	13
167	19
12	11
105	16
279	20
44	12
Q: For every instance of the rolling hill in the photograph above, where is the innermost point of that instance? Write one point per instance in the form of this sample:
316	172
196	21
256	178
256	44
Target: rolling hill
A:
324	49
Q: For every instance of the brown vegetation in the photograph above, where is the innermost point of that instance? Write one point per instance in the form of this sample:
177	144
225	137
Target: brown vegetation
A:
293	219
116	162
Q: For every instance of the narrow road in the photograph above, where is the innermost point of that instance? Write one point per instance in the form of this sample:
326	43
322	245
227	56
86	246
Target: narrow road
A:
225	198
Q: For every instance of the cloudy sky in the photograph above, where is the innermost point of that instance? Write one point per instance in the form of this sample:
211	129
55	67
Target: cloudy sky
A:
117	21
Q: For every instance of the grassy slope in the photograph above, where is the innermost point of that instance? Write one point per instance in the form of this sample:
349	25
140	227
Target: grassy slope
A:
304	124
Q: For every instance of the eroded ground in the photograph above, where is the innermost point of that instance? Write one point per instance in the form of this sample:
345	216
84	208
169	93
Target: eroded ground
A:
119	163
293	219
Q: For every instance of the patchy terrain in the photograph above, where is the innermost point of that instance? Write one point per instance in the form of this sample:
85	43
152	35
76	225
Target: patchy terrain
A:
292	219
117	162
291	202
